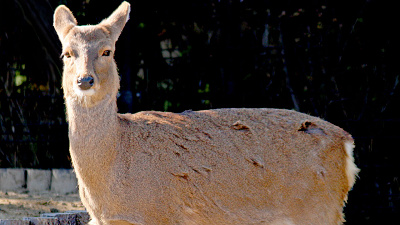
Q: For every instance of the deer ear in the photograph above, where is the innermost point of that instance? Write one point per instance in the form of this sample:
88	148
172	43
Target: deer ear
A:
117	20
64	21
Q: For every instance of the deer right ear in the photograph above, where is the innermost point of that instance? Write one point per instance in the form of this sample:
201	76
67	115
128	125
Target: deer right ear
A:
117	20
64	21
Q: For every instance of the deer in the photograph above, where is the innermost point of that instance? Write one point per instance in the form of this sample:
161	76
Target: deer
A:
216	166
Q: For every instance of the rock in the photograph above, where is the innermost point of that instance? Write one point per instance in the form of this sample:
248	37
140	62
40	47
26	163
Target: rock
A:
63	181
82	217
63	218
12	179
38	180
42	220
14	222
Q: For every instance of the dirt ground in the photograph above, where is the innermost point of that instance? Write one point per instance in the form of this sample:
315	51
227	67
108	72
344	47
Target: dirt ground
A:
20	204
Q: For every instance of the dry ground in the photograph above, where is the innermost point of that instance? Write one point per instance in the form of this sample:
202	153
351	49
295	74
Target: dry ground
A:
20	204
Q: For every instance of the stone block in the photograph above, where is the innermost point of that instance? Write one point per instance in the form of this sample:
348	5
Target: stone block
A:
38	180
42	220
63	181
82	217
14	222
12	179
63	218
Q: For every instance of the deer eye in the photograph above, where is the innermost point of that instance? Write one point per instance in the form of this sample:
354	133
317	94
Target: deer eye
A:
106	53
67	55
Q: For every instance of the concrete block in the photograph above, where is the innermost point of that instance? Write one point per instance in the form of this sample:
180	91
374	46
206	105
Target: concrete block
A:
63	181
14	222
42	220
82	217
12	179
63	218
38	180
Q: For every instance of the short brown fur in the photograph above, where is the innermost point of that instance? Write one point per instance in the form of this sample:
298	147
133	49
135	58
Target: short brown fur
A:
224	166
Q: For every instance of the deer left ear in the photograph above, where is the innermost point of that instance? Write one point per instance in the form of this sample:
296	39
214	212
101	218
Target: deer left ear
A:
117	20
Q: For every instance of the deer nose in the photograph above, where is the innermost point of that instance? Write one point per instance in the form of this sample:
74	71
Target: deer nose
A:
85	83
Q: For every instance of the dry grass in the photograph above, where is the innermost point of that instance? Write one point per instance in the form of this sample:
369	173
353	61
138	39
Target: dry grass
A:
20	204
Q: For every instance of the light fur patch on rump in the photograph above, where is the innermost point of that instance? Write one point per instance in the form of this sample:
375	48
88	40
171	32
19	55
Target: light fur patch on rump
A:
351	168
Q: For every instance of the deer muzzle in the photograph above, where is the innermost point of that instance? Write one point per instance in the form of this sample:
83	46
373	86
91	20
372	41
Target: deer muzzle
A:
85	83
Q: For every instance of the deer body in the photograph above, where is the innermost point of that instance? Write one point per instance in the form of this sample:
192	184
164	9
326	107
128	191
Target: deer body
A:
225	166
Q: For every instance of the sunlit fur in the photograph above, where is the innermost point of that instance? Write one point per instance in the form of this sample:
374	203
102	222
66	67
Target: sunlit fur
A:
351	168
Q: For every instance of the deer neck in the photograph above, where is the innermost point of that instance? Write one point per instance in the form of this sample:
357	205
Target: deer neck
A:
93	133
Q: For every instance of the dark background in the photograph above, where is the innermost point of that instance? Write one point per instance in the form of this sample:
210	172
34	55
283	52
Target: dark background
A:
337	60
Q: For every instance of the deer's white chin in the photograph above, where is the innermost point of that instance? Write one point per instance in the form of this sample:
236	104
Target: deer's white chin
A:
82	93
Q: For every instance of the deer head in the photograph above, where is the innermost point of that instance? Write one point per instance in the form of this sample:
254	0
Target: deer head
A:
90	73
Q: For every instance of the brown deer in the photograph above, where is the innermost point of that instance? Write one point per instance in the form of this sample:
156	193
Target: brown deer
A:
222	166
